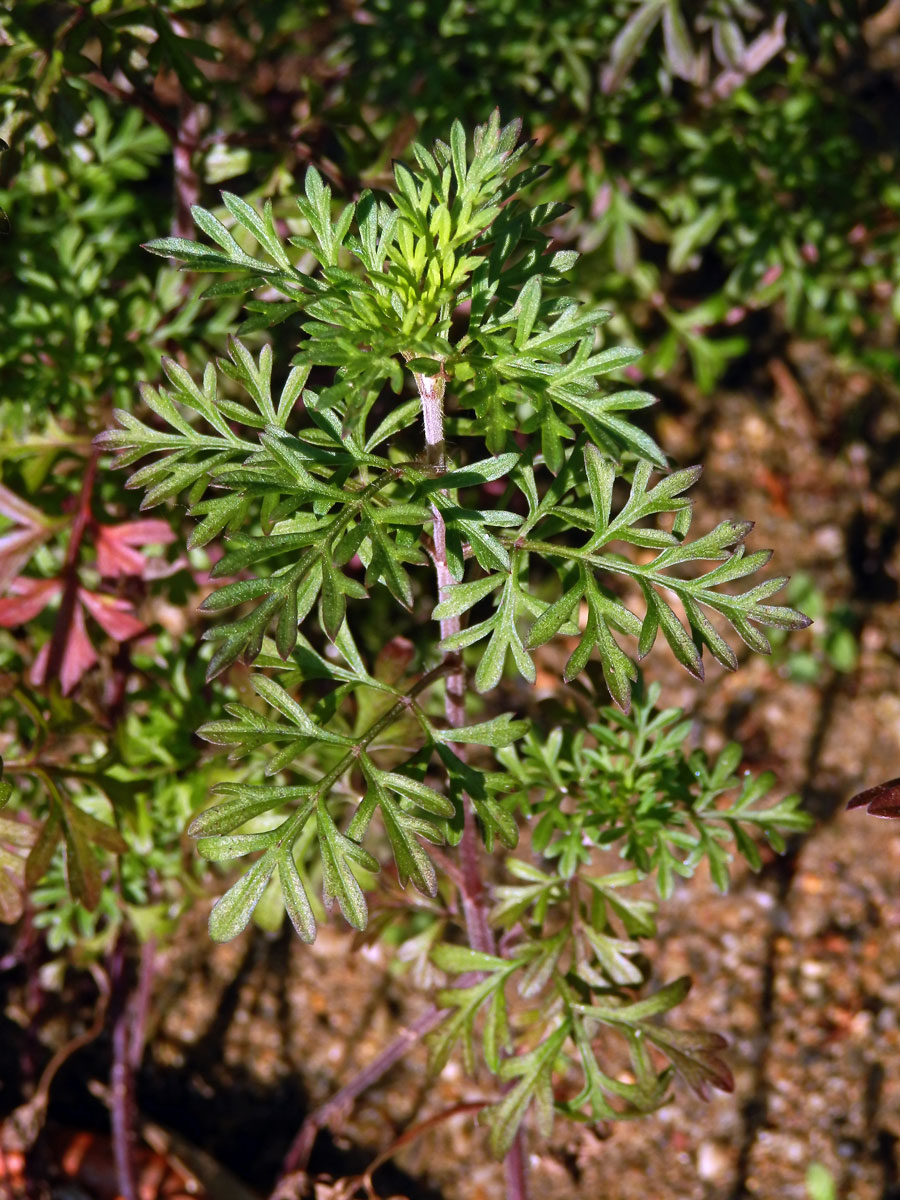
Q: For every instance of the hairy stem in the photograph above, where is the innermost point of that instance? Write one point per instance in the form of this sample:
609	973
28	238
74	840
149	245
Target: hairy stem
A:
478	929
431	391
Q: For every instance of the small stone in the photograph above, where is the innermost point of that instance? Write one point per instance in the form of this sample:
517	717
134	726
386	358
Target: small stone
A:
713	1162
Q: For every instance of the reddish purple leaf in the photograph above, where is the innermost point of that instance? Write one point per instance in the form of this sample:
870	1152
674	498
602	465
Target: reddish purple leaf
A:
78	656
27	598
694	1053
116	553
18	545
883	800
114	616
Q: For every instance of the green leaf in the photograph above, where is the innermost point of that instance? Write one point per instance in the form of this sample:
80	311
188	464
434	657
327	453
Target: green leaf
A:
414	789
457	960
499	731
338	881
411	860
463	596
246	802
475	473
296	901
640	1010
460	1024
534	1072
231	914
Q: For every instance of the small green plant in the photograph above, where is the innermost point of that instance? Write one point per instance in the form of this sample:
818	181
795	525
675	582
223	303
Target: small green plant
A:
820	1183
833	642
511	503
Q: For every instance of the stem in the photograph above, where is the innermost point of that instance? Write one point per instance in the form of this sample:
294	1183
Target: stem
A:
141	1004
192	117
130	96
478	929
121	1079
468	878
410	1135
515	1169
297	1156
431	391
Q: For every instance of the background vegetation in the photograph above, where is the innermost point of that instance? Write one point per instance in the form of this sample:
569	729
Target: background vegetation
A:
733	171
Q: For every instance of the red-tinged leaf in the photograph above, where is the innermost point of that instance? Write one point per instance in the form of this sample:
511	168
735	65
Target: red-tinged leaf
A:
116	553
41	855
82	868
18	545
27	598
16	548
394	660
96	832
20	510
114	616
695	1055
78	656
883	800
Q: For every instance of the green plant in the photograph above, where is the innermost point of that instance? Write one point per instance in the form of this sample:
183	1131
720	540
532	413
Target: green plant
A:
832	642
528	513
820	1183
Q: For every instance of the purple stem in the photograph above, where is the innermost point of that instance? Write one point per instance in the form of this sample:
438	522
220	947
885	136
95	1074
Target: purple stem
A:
297	1157
471	889
515	1169
121	1079
478	929
140	1007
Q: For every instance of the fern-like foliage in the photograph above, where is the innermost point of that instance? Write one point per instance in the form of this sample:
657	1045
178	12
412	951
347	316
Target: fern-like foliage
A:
349	781
580	499
294	482
452	235
450	289
627	782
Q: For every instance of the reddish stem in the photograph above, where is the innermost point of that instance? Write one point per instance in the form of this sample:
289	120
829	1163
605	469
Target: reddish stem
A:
478	929
121	1077
141	1003
187	181
341	1102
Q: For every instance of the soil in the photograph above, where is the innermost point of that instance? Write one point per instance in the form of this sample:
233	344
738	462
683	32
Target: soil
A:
799	966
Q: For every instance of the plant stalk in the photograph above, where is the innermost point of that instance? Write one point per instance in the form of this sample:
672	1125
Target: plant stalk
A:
297	1157
480	935
121	1079
431	392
